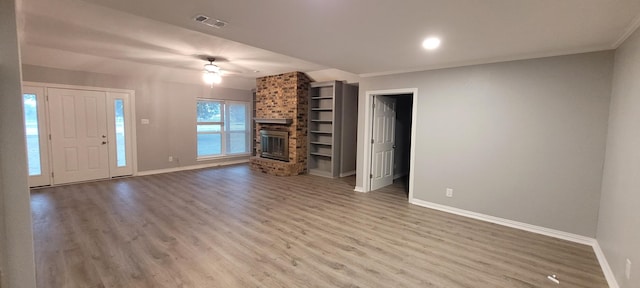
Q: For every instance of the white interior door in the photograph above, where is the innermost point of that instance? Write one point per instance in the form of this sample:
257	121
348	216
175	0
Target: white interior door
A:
36	134
384	121
78	121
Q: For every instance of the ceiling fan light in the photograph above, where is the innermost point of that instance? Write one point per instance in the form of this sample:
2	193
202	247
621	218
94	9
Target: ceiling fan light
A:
211	68
216	78
212	73
208	77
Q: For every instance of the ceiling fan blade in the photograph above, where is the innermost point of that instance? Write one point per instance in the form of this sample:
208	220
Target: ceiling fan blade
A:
206	57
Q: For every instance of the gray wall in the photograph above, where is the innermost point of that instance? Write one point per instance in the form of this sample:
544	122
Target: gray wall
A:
349	128
619	225
170	107
521	140
16	237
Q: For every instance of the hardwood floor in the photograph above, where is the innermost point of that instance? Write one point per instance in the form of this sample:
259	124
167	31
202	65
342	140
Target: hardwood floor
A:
232	227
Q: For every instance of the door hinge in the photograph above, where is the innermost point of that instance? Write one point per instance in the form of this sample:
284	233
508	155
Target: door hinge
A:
370	176
372	141
49	136
47	97
51	174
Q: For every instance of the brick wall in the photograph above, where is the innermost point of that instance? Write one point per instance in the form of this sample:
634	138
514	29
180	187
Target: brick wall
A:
284	96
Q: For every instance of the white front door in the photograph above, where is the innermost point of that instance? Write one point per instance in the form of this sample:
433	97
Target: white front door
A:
78	121
35	122
384	124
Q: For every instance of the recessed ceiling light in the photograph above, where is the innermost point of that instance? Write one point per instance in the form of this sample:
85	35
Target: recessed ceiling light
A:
431	43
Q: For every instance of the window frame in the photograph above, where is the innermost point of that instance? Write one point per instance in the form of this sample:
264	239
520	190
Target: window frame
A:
247	127
225	131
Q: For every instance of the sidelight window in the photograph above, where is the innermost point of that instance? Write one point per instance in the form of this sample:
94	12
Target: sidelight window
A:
32	133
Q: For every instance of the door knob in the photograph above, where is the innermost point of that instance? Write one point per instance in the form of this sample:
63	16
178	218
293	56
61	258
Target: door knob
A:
104	136
394	146
104	142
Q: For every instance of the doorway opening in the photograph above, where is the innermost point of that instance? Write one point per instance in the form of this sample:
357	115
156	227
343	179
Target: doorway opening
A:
391	128
402	159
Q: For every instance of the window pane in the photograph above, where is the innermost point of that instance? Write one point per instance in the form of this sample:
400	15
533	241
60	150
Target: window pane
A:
209	111
209	128
121	151
237	117
238	142
32	135
209	144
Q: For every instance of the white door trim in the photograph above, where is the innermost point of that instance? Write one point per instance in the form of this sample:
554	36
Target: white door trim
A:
132	100
75	87
368	125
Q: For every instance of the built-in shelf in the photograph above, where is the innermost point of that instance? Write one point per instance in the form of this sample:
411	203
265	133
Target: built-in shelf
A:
283	121
333	115
325	112
321	154
320	172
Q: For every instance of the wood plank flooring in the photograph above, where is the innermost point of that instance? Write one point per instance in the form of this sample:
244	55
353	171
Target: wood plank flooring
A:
232	227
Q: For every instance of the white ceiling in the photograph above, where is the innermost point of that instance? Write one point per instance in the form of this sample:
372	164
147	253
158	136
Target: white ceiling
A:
365	37
80	36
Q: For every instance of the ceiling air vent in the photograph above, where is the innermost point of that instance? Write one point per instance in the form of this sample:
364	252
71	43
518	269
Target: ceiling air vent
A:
201	18
219	23
206	20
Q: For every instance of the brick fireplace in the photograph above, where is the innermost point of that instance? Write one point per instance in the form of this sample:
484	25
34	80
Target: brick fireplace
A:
282	103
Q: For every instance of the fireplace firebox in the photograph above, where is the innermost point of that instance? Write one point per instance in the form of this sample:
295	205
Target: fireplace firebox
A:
275	145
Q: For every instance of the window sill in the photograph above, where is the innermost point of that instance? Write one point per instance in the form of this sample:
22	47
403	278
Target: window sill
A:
222	157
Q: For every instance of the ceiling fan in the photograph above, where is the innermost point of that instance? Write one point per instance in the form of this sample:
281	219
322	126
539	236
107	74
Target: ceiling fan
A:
212	74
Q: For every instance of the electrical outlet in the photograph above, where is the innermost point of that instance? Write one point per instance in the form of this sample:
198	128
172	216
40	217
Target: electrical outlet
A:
170	158
449	192
627	270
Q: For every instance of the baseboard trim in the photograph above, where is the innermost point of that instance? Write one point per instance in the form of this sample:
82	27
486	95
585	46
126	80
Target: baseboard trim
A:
604	264
359	189
192	167
345	174
506	222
